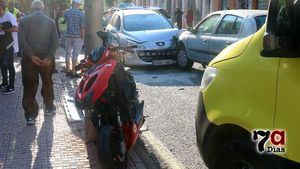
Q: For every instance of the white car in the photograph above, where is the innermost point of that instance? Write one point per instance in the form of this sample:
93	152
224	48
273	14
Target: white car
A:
150	31
215	32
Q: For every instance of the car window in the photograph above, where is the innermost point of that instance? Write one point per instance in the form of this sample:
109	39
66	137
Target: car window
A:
118	24
143	22
260	21
208	25
230	25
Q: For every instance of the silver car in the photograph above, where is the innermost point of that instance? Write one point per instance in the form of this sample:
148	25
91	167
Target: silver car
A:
150	31
215	32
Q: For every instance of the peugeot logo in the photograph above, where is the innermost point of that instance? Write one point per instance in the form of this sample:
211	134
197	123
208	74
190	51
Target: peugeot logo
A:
160	43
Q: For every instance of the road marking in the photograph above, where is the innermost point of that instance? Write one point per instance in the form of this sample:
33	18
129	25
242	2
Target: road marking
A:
161	151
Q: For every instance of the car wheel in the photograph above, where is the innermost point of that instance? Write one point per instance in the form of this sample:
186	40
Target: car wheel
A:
240	154
182	58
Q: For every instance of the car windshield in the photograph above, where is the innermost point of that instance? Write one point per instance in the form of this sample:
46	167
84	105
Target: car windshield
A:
260	21
144	22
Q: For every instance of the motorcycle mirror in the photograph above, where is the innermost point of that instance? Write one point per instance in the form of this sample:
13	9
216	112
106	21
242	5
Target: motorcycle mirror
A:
103	35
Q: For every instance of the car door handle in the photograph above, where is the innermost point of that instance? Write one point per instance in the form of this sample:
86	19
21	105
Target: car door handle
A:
228	43
205	40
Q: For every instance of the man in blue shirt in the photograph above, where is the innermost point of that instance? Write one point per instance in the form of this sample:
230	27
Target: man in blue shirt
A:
74	36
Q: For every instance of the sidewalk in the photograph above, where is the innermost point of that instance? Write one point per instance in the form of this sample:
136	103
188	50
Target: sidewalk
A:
54	142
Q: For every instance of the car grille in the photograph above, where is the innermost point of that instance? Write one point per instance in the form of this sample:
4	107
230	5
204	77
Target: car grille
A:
153	55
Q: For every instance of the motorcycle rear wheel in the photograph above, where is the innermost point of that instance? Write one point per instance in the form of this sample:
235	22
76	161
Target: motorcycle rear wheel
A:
105	145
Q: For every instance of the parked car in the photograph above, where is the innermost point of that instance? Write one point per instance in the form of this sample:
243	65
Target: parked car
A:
150	31
107	14
123	5
161	11
215	32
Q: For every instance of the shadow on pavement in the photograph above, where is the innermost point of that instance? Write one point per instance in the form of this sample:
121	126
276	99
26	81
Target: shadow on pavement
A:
22	150
42	159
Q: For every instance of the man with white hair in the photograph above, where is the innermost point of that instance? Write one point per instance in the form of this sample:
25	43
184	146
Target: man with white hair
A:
74	36
39	42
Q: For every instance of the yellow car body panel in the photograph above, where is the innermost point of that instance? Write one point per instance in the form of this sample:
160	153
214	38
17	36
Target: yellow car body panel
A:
255	92
245	88
287	105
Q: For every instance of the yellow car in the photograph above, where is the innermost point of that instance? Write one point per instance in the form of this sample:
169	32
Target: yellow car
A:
249	105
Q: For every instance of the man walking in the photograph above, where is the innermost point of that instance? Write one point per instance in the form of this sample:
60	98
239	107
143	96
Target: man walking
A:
178	17
39	42
74	36
189	18
7	57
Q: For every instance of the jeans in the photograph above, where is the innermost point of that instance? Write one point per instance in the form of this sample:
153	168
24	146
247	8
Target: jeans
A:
7	66
30	78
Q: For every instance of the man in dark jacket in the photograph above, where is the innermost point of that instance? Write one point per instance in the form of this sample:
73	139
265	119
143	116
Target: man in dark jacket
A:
178	17
39	42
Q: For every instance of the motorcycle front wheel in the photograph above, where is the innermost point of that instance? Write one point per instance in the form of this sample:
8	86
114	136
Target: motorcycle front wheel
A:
107	148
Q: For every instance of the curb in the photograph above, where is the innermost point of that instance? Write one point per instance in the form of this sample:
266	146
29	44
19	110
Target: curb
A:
161	152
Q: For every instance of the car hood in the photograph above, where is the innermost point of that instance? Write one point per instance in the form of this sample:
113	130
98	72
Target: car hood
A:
151	36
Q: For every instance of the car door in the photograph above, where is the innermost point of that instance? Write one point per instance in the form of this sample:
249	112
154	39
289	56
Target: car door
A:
287	105
227	32
197	43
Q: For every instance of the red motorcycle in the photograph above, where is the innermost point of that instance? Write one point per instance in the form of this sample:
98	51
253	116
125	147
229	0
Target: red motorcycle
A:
108	93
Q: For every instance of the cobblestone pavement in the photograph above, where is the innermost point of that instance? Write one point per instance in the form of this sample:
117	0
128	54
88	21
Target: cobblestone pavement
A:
52	142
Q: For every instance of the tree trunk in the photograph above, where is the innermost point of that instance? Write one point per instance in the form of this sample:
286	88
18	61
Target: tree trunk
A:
93	18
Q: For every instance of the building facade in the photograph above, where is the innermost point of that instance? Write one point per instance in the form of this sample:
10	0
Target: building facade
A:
202	8
240	4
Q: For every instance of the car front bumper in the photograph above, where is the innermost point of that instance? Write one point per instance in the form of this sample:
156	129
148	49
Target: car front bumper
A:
204	129
150	57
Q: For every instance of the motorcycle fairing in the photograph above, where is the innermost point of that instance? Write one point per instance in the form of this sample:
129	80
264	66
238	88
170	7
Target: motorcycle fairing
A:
94	84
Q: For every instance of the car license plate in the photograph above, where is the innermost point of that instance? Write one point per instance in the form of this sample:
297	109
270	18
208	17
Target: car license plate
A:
162	62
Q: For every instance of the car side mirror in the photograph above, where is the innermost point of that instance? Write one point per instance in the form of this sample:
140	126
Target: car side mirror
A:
282	37
103	35
114	30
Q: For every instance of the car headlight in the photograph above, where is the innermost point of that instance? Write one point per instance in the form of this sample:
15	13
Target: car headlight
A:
208	77
128	42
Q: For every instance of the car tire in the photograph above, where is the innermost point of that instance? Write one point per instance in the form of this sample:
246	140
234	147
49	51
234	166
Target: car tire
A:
182	59
236	154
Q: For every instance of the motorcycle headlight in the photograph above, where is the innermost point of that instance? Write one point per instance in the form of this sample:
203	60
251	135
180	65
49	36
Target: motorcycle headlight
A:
208	77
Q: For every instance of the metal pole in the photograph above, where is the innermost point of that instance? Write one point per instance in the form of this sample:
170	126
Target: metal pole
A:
93	17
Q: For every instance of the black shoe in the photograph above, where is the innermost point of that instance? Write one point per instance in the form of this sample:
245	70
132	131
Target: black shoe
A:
49	110
30	121
76	76
8	91
69	74
3	86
